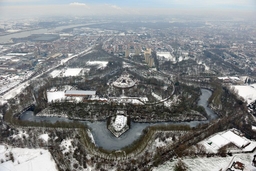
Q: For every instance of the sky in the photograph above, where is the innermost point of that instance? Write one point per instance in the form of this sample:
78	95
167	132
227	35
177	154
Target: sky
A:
24	8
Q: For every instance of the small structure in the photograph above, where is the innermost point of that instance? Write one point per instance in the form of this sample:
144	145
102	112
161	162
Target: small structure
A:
238	165
118	125
124	82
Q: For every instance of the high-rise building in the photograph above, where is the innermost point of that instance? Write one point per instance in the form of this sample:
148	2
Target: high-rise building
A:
151	62
147	54
148	57
137	50
127	53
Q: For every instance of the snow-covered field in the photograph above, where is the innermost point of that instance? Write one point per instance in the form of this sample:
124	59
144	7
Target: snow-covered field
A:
72	72
99	64
25	159
56	95
53	96
248	92
68	72
55	73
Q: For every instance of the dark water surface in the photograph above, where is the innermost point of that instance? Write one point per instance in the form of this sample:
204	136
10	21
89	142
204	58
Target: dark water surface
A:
105	139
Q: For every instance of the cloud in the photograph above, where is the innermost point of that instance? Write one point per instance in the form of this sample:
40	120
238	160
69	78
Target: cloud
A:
78	4
115	7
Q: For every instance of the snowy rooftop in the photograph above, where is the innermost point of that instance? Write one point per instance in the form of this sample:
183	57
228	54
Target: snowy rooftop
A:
214	143
80	93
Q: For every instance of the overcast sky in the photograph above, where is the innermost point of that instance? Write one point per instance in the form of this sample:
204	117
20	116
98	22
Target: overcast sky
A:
9	8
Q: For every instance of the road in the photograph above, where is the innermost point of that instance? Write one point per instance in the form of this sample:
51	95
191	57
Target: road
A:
12	92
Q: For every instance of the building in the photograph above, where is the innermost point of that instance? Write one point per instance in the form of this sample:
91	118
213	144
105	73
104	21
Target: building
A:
148	57
118	124
127	53
80	93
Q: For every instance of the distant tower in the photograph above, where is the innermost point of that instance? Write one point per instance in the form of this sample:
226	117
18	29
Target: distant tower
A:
151	62
137	51
147	55
127	53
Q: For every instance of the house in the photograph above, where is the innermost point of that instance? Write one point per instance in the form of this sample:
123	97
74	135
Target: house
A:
238	165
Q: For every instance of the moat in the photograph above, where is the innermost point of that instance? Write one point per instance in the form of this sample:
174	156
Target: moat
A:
105	139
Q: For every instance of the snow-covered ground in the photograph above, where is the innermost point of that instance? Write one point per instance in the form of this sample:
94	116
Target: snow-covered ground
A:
44	137
248	92
72	72
211	163
68	72
25	159
12	93
66	146
99	64
55	96
60	96
165	55
20	134
55	73
156	96
229	78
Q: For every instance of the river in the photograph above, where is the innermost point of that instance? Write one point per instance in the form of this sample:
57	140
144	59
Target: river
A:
105	139
7	38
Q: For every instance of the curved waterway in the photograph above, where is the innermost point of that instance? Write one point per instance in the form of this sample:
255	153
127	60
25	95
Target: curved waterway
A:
105	139
7	38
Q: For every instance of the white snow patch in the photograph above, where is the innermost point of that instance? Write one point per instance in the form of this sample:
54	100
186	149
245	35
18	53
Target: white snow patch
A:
253	128
55	96
20	135
165	55
70	72
156	96
100	64
248	92
55	73
66	145
44	137
159	143
26	159
91	136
